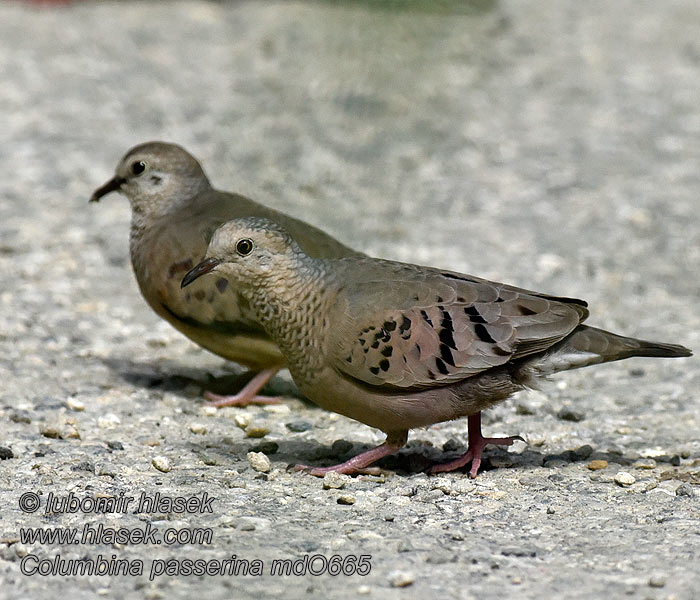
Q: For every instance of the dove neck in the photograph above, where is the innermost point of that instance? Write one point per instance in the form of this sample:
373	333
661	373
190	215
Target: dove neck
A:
291	305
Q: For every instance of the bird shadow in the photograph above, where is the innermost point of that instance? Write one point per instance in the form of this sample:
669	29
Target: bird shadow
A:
175	378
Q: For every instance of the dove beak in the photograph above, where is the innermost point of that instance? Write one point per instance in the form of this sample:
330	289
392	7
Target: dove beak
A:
113	185
208	264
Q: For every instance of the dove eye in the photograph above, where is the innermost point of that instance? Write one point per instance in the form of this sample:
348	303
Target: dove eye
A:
244	247
138	167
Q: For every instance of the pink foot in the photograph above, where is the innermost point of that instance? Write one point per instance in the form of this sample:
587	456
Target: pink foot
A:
248	395
477	442
359	463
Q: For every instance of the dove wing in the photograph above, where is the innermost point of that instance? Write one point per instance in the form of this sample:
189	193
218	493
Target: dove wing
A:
412	327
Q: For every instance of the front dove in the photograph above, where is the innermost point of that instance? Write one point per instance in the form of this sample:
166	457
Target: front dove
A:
399	346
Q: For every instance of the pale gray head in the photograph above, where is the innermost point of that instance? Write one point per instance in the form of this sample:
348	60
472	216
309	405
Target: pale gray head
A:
251	251
156	176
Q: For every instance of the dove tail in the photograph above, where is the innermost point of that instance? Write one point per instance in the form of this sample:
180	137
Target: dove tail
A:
589	346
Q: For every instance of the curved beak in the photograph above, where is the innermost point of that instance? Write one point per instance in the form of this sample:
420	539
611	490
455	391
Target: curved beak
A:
208	264
113	185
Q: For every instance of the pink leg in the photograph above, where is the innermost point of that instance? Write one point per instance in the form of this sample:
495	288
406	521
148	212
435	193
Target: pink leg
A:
476	447
248	395
394	442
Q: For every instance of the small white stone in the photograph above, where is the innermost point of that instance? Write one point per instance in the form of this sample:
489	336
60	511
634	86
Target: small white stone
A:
401	578
209	411
334	481
242	420
162	464
624	478
259	462
108	421
198	428
257	430
75	404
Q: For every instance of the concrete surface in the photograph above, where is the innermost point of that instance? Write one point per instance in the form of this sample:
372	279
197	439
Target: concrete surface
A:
551	145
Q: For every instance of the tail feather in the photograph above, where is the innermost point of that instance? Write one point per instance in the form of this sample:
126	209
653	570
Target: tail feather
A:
589	346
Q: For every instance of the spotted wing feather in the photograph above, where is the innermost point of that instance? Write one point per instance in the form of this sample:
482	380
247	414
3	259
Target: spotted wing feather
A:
419	328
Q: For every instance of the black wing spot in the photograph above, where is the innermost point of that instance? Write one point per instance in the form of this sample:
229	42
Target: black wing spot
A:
447	338
474	315
426	318
375	344
375	370
348	358
387	350
500	351
405	324
460	299
431	375
483	334
439	299
390	325
362	341
445	334
384	364
446	355
441	366
499	299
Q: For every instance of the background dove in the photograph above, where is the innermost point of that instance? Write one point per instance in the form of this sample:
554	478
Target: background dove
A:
399	346
175	210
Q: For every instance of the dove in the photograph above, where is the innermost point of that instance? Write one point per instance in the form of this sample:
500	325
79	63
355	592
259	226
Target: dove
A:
398	346
175	210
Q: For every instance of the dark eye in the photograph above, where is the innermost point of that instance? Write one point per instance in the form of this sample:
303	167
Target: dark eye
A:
244	247
138	167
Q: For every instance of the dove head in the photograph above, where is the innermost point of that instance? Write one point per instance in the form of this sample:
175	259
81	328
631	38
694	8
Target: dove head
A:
156	176
251	252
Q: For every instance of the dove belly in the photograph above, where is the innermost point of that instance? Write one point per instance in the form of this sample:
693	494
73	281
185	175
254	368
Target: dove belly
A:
400	411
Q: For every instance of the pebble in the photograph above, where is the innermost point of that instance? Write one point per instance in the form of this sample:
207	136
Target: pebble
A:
346	499
570	414
644	463
242	420
108	421
75	404
20	417
5	453
51	431
685	489
657	580
333	481
401	578
597	465
299	426
107	469
277	409
198	428
256	430
209	411
624	478
162	464
259	462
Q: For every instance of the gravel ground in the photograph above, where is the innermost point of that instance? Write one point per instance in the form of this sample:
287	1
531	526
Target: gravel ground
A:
551	145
